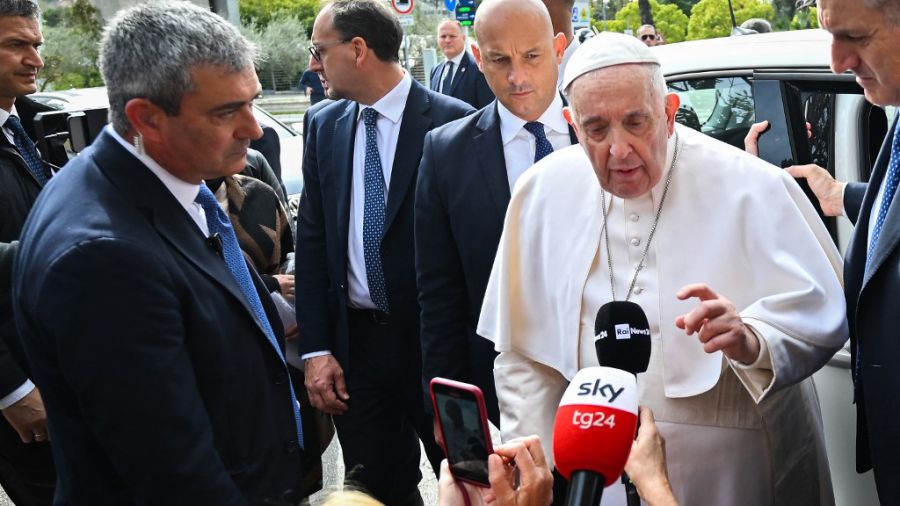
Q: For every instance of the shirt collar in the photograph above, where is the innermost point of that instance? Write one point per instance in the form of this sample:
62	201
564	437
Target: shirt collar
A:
183	191
458	58
5	115
511	125
392	104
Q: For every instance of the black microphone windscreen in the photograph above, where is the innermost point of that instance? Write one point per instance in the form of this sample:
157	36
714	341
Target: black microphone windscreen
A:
622	336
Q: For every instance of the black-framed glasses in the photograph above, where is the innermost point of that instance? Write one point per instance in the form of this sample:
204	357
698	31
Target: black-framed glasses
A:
648	36
316	50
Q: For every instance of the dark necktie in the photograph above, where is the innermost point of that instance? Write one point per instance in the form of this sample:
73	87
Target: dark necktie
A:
219	225
542	146
373	214
448	78
890	188
26	148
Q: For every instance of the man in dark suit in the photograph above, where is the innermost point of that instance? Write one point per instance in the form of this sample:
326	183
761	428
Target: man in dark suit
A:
457	75
26	464
466	177
356	284
864	42
156	348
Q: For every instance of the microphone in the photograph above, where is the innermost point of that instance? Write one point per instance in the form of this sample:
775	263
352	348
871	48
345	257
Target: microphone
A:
594	429
622	336
215	242
622	341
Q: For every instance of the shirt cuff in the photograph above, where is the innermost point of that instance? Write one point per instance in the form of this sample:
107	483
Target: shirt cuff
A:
314	354
17	394
757	377
763	360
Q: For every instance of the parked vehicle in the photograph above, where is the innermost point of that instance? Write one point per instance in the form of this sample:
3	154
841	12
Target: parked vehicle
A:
726	85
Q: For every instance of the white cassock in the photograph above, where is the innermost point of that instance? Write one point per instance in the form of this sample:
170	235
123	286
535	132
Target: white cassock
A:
749	435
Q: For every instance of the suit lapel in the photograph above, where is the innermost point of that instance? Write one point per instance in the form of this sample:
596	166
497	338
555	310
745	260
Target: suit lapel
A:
890	231
460	73
489	146
436	76
416	123
342	170
166	215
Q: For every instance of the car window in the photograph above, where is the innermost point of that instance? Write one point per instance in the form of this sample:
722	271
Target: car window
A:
721	107
267	120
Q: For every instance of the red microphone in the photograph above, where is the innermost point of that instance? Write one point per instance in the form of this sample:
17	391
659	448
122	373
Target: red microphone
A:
594	430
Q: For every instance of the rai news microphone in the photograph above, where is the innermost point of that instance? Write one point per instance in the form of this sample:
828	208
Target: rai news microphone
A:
594	430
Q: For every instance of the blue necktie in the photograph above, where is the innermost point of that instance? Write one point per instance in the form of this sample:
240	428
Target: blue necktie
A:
26	148
542	146
890	188
373	214
219	225
448	78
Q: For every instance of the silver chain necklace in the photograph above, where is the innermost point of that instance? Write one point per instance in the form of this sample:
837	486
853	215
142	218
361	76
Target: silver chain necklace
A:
662	200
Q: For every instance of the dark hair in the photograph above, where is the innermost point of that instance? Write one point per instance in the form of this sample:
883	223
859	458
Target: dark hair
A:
20	8
373	22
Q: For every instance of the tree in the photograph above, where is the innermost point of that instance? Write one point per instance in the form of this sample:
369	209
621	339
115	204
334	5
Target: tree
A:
670	21
710	18
70	54
283	51
261	12
684	5
805	18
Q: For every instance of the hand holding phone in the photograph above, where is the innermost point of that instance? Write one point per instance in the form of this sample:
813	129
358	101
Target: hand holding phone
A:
462	420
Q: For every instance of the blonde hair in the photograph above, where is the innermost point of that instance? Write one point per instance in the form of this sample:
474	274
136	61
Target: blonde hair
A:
351	498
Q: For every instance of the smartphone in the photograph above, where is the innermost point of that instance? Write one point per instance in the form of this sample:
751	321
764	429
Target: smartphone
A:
462	420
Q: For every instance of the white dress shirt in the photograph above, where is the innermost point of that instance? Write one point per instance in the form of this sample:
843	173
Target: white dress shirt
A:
390	114
456	59
519	145
6	130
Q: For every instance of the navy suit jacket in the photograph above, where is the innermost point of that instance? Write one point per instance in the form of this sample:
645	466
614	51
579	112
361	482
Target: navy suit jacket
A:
875	331
468	85
461	201
324	220
160	384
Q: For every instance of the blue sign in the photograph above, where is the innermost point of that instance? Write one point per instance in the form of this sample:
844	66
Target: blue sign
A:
450	5
465	12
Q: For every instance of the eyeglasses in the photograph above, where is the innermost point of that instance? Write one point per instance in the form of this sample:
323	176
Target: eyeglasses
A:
648	36
316	50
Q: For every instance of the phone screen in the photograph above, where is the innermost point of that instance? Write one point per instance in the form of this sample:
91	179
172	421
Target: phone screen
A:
464	437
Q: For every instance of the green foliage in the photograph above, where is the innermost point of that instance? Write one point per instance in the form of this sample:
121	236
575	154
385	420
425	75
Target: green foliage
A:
668	18
805	18
710	18
262	12
71	47
283	47
684	5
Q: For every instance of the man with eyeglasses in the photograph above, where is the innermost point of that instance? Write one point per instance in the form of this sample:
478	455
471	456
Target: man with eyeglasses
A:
356	294
647	34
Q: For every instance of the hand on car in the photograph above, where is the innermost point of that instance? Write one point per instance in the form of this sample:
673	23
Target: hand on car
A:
324	381
717	324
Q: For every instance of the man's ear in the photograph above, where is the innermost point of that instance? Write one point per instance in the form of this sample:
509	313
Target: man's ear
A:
361	49
559	47
672	103
145	118
477	54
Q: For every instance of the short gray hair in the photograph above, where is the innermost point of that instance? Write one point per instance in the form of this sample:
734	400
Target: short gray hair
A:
149	52
20	9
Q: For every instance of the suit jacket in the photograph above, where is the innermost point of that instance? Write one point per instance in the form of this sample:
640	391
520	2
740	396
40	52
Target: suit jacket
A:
874	323
461	200
468	85
18	191
324	219
160	384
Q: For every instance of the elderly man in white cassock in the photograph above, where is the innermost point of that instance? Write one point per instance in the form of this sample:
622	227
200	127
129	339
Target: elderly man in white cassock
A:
738	277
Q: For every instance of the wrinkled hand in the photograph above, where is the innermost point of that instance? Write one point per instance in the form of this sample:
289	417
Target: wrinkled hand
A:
324	381
646	464
751	140
29	418
535	481
285	284
717	324
829	191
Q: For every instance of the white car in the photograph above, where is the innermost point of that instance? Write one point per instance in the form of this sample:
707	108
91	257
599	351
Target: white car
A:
725	85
